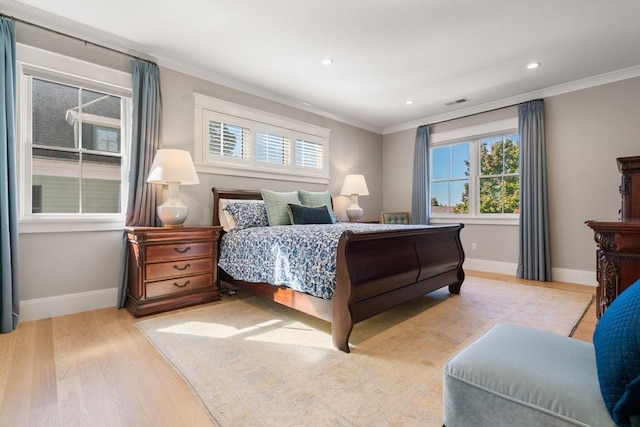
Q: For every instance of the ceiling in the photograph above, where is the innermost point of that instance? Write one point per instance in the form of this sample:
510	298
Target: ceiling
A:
385	52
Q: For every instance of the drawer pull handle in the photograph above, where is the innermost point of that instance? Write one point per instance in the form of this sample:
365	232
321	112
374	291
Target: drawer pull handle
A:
183	268
184	251
181	286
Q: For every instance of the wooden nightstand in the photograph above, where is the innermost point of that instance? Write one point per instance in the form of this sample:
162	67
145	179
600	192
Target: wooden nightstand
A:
171	268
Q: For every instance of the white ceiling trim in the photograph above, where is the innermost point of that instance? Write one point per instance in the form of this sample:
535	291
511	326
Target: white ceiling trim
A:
84	32
601	79
217	78
74	29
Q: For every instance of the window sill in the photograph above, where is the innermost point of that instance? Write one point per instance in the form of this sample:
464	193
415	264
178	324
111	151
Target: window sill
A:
68	225
475	221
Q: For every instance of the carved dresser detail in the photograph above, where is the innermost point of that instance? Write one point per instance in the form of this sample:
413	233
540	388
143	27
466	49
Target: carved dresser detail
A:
629	167
618	258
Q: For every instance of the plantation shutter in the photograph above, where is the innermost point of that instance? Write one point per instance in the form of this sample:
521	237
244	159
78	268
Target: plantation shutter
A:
309	154
229	140
273	148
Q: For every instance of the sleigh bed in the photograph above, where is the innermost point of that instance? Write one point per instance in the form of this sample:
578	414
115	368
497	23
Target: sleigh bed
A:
376	267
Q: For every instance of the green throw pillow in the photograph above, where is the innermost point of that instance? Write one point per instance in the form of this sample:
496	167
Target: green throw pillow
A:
276	205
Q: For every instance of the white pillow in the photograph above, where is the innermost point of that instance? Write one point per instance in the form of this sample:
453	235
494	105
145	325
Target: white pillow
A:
226	220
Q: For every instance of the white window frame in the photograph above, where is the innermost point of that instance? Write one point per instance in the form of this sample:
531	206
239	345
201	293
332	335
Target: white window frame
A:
48	65
208	108
472	134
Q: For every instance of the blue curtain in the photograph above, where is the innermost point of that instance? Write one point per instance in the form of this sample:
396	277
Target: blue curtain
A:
420	201
9	301
534	257
145	141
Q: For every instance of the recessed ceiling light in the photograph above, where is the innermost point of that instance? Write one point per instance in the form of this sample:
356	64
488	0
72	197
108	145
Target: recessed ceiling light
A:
327	61
533	65
408	102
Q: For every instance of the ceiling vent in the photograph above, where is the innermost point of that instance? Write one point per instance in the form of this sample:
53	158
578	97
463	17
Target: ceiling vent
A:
457	101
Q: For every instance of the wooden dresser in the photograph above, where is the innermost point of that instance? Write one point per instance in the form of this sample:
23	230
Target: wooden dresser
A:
617	257
618	254
171	268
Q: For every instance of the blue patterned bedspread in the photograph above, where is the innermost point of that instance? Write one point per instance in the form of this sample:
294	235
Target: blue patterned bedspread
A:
301	257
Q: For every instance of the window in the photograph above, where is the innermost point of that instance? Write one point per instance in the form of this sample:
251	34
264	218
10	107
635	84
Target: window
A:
499	182
237	140
226	140
450	179
476	177
309	154
107	139
273	148
74	141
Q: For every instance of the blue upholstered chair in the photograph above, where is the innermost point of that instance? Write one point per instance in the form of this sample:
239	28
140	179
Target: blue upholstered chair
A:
519	376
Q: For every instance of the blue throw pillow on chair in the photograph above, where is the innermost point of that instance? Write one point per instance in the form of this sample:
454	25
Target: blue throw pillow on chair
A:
617	345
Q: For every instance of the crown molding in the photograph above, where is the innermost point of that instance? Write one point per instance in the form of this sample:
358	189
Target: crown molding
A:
27	13
38	17
251	89
74	29
601	79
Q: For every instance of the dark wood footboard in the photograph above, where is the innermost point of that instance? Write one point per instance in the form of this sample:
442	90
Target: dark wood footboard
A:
374	272
379	270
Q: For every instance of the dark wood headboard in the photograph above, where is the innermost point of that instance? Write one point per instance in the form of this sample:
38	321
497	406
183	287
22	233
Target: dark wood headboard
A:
221	193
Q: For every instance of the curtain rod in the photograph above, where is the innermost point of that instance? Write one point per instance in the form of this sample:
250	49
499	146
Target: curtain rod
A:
86	42
481	112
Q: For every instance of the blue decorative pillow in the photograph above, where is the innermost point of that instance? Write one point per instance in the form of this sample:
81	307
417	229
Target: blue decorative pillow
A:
247	213
307	215
317	198
617	345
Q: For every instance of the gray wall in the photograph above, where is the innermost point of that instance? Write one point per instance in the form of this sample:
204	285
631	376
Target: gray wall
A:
53	264
586	131
352	150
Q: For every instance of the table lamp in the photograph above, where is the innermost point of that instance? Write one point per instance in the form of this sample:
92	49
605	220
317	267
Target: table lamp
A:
173	168
354	186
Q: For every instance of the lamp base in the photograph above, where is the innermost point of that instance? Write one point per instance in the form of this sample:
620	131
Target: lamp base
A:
172	216
354	213
173	212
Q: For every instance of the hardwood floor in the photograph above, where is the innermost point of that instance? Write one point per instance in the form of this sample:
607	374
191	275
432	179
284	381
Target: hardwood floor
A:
96	369
90	369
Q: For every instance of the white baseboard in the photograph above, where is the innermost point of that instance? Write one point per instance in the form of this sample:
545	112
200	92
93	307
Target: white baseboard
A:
581	277
60	305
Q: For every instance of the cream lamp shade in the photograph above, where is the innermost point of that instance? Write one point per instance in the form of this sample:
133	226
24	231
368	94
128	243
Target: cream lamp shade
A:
354	186
173	168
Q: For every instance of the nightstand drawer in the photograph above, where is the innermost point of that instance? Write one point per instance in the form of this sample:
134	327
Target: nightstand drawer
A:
178	268
178	285
178	251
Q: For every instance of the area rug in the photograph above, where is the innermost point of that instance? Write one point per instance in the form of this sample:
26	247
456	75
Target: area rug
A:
255	363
